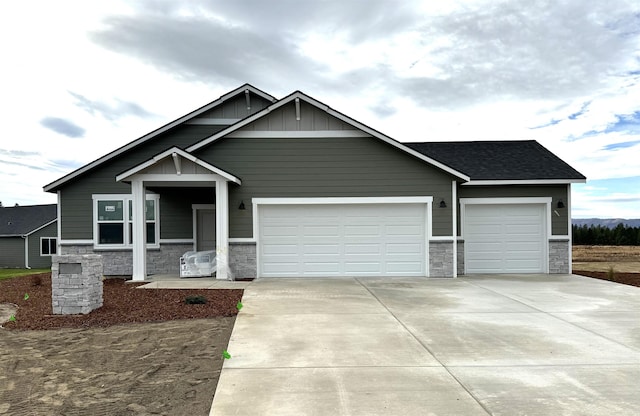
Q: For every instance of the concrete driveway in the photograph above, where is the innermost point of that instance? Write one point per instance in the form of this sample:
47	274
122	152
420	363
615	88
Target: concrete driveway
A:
487	345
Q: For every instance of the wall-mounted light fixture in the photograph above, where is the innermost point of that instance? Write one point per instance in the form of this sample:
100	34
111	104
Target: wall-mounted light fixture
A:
443	204
560	204
241	206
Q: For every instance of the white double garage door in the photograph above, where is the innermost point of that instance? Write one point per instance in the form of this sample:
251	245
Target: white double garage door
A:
355	239
391	239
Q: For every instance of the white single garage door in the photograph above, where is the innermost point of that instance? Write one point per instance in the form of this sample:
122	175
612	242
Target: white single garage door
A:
342	240
508	238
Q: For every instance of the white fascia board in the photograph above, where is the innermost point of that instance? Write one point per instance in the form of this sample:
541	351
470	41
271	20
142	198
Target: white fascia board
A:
298	134
176	241
75	242
503	201
209	121
524	182
41	227
242	240
169	152
166	127
345	200
301	96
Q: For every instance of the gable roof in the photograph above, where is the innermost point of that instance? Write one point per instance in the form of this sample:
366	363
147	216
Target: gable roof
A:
246	87
298	95
490	161
176	152
23	220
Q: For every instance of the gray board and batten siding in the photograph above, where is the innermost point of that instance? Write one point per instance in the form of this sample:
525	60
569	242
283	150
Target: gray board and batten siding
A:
559	221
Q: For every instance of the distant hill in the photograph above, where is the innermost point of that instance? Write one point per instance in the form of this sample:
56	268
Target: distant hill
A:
606	222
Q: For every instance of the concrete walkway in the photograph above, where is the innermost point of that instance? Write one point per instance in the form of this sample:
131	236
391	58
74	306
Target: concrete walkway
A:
487	345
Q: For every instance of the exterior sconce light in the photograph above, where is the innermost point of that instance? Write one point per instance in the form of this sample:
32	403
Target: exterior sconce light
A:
443	204
241	206
560	204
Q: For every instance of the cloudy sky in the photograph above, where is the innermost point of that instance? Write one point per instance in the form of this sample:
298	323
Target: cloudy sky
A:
82	78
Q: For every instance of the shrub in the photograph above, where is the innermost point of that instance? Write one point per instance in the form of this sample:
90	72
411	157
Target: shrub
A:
195	300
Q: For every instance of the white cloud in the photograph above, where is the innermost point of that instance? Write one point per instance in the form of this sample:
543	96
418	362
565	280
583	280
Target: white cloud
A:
564	74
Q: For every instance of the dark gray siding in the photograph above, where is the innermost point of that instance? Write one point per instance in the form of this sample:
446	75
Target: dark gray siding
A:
12	252
559	224
35	259
76	208
323	167
175	209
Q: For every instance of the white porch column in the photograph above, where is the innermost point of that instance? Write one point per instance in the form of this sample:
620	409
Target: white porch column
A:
222	229
139	231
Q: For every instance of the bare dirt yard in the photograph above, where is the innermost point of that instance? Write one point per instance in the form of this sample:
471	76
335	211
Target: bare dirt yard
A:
616	263
144	352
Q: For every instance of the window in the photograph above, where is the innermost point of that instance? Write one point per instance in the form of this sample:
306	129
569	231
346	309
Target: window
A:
113	220
48	246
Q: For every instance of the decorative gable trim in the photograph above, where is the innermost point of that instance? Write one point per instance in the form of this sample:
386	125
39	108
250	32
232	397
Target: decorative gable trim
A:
184	119
298	96
176	153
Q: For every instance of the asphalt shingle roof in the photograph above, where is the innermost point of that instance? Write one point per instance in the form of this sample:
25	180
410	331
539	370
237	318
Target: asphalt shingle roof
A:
22	220
499	160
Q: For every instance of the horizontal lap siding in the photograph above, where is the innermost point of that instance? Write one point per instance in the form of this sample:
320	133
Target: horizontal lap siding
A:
12	252
323	167
76	203
35	259
559	224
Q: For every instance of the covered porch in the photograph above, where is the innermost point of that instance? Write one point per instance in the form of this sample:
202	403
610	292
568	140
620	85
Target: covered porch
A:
175	168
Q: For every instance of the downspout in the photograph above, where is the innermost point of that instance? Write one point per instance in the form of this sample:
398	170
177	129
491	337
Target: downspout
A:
26	251
454	225
570	228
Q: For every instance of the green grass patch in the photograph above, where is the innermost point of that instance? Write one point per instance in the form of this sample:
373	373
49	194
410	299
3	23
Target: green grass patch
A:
10	273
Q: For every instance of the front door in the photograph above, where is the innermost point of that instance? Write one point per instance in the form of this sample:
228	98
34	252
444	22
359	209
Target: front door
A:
205	229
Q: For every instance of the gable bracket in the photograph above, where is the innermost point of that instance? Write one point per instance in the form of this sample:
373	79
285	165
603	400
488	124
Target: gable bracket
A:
298	109
177	162
247	96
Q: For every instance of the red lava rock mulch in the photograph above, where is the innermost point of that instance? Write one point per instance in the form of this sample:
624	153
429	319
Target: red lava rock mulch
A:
631	279
123	303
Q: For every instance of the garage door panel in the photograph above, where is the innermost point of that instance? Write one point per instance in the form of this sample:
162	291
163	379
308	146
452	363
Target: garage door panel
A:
321	268
332	240
403	268
363	248
363	268
361	231
403	248
505	238
281	249
328	249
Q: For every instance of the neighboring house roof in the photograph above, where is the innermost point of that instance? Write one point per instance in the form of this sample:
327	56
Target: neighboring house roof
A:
23	220
53	186
501	161
300	96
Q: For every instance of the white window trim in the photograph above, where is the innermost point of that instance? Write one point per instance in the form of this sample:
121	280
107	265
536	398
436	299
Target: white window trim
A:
55	245
125	198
